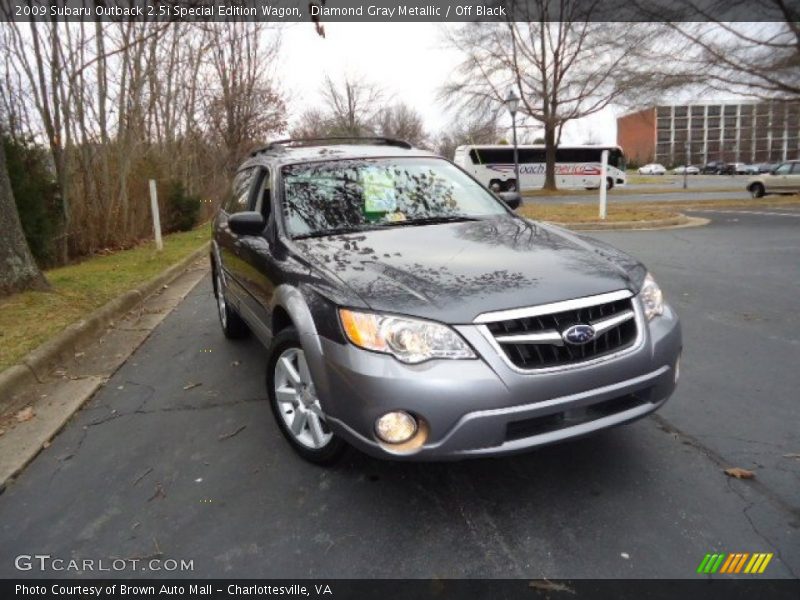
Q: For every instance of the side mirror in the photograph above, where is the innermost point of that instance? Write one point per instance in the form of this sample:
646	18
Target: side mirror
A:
512	199
247	223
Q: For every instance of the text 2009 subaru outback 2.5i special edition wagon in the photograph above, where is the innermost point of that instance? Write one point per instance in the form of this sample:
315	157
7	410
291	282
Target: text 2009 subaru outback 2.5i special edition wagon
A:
410	313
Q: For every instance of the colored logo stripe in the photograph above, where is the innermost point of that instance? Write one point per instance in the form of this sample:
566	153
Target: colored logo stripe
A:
735	563
710	563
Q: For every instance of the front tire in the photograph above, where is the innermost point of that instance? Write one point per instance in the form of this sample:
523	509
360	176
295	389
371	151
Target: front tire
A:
295	404
757	190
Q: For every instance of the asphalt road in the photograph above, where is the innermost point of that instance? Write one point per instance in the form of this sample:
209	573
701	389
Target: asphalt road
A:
203	474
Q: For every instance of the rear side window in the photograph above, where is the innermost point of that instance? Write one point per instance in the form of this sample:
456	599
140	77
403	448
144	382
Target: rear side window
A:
239	199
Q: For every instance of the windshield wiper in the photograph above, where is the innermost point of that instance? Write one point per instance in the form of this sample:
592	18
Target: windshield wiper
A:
336	231
431	221
384	225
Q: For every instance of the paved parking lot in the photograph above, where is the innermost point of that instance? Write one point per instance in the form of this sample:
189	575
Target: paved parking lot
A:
149	467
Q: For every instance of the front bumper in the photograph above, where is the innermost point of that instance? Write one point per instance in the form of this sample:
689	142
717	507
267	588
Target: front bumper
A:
484	407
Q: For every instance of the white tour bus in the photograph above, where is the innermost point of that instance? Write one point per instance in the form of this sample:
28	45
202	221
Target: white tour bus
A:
576	166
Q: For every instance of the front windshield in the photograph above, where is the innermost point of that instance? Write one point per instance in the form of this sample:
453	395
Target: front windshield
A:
338	196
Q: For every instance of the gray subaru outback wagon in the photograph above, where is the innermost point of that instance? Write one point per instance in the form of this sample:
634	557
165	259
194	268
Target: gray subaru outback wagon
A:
409	312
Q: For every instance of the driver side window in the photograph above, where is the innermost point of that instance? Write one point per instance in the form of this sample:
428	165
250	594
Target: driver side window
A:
784	169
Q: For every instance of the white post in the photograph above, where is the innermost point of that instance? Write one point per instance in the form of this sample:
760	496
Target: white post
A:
156	216
603	171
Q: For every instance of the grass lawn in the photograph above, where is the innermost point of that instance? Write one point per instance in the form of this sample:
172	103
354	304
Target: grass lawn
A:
30	318
587	213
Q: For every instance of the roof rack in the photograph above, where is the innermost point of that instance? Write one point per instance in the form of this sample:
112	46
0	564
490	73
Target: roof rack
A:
322	141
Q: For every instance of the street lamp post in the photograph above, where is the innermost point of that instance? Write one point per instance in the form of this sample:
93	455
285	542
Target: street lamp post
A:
688	153
512	101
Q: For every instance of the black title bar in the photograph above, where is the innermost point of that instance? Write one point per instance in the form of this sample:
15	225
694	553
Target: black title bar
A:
703	588
401	11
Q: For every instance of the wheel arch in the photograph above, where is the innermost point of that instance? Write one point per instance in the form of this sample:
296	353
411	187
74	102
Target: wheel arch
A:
288	302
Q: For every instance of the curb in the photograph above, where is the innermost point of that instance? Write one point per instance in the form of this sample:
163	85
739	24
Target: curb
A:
34	367
676	221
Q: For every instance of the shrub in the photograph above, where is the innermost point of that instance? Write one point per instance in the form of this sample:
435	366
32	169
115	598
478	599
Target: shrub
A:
182	208
36	196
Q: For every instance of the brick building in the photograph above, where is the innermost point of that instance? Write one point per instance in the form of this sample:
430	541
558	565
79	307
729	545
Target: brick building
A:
747	132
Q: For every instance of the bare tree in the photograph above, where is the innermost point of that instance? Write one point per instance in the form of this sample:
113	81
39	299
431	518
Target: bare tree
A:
402	122
483	130
562	64
352	108
118	103
247	106
754	59
18	270
353	105
313	123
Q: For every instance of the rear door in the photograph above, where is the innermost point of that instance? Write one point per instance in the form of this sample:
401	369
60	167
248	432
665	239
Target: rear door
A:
780	180
794	178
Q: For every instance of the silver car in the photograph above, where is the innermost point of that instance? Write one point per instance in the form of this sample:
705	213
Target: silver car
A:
783	179
410	313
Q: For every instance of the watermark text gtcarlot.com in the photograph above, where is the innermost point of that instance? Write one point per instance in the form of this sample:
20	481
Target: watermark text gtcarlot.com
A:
47	562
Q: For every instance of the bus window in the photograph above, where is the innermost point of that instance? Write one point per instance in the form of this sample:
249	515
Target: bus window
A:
531	155
482	156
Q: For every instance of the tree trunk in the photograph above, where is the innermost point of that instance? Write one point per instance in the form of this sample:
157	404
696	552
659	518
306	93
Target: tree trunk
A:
18	271
550	155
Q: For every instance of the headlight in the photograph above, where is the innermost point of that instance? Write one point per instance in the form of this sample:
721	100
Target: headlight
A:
652	298
408	340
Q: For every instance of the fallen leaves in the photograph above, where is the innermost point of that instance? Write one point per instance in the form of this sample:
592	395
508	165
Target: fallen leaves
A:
159	493
236	431
26	414
739	473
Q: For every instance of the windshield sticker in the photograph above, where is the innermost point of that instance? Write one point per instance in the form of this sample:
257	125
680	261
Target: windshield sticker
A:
380	195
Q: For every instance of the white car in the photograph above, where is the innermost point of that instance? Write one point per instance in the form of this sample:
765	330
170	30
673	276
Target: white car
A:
690	170
784	179
652	169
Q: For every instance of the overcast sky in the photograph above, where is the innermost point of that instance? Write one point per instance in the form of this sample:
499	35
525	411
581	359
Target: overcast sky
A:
408	60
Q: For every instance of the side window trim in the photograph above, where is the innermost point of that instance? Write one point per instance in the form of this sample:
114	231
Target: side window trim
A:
263	184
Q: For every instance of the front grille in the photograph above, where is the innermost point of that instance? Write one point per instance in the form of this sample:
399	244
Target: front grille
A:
548	348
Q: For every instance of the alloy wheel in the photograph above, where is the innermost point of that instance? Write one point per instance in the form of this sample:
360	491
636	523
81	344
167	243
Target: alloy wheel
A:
297	401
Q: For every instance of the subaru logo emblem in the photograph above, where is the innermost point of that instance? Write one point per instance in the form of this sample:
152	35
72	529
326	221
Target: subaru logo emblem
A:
578	334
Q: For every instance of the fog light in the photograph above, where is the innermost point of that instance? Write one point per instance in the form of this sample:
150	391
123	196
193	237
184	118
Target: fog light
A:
396	427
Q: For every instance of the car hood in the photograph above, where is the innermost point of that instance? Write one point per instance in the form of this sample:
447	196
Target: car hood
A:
454	272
